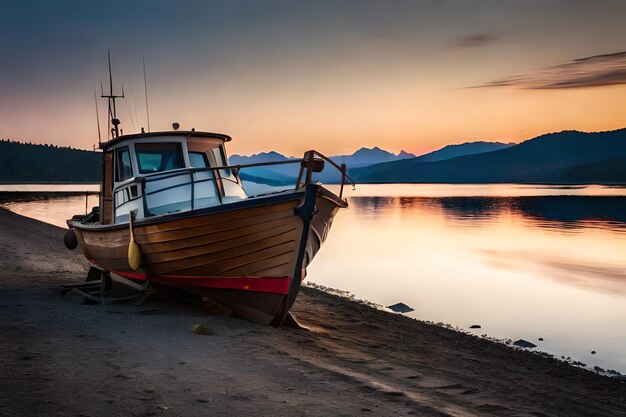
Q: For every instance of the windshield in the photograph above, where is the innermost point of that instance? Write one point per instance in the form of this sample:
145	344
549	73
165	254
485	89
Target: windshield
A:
198	160
157	157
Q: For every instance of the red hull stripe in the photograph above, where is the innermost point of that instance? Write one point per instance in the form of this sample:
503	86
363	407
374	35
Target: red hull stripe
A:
277	285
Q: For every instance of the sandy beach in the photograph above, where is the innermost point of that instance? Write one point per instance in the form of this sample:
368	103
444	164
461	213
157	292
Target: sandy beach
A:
58	358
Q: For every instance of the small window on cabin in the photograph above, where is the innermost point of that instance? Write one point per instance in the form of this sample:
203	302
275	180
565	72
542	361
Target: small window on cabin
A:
157	157
123	170
198	160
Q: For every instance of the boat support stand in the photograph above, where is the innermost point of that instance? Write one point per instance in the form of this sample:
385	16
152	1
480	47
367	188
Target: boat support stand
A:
98	288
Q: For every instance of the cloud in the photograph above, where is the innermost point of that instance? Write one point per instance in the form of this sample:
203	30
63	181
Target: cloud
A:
473	41
592	71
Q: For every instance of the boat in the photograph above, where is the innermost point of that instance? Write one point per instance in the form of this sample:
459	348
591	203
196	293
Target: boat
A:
174	213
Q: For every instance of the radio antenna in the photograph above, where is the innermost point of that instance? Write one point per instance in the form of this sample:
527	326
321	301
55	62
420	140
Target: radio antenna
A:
145	86
115	130
95	97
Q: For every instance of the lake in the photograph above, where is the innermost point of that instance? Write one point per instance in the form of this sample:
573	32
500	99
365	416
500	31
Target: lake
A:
521	261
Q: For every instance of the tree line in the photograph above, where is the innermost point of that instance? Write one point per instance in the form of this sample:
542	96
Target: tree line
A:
28	162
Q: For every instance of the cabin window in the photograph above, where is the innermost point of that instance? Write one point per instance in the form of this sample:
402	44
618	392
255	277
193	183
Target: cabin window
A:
198	160
124	168
157	157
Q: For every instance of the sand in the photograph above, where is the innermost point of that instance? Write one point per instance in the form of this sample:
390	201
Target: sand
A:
58	358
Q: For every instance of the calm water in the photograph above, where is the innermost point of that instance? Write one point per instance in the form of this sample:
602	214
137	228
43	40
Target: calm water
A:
521	261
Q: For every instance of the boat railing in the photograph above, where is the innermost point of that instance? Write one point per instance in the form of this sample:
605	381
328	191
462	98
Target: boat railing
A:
311	157
311	163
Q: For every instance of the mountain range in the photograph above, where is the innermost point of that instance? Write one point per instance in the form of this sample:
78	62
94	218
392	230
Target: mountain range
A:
563	157
467	148
362	158
286	174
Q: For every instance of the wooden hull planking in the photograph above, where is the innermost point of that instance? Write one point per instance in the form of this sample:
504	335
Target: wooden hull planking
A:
243	258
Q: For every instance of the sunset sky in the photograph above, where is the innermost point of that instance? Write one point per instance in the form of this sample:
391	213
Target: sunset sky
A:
331	75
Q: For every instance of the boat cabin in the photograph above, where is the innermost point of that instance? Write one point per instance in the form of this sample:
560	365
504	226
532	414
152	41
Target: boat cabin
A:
165	172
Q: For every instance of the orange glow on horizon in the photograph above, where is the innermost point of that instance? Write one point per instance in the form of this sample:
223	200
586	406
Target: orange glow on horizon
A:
340	122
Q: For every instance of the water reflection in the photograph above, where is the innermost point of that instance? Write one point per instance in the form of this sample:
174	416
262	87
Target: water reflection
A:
473	208
575	211
562	212
607	276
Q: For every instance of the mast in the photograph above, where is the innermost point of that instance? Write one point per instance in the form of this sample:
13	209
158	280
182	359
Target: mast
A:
95	98
113	120
145	86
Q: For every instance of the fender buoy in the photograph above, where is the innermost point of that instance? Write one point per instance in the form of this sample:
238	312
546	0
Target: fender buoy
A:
70	240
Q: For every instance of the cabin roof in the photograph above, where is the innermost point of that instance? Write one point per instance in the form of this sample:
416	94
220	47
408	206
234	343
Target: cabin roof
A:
187	133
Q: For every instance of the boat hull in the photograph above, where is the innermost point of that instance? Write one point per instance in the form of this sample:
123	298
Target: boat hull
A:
244	255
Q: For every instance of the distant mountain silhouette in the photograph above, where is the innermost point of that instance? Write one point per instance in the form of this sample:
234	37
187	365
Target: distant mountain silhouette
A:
362	157
468	148
26	162
286	174
271	156
271	175
369	156
564	157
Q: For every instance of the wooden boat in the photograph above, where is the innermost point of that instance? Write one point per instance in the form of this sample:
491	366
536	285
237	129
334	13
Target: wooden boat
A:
173	212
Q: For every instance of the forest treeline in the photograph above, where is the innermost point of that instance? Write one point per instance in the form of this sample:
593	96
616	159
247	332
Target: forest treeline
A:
28	162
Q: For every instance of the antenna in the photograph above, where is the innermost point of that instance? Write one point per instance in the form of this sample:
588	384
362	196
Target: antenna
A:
113	120
95	98
145	86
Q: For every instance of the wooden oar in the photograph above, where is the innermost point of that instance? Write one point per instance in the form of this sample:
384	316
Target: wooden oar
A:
134	253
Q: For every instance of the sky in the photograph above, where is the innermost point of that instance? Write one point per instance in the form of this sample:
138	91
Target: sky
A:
331	75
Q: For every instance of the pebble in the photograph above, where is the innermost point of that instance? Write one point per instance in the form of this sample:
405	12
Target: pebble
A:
400	308
202	329
475	326
524	343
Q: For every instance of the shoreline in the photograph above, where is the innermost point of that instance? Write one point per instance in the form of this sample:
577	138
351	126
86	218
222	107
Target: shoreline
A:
347	295
49	183
20	196
58	358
